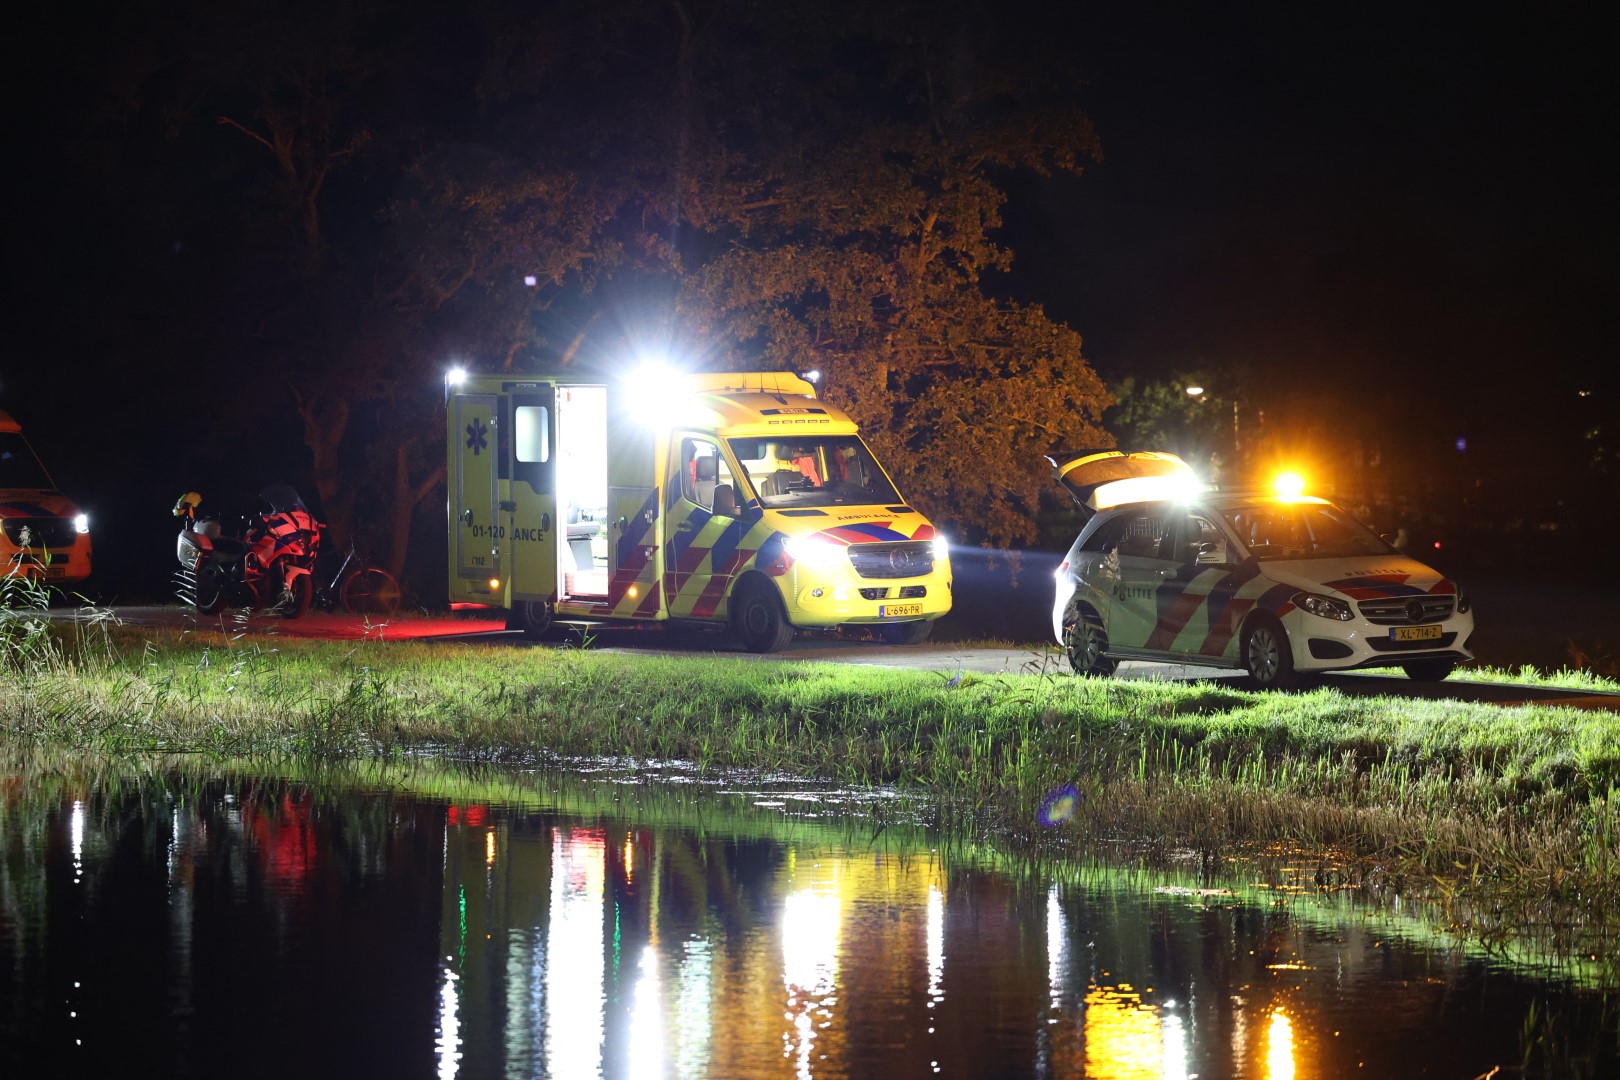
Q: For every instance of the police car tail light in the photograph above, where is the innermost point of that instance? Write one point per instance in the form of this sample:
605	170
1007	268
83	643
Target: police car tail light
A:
814	551
1325	606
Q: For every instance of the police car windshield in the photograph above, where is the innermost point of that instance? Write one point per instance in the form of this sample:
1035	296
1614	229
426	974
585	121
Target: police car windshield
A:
1302	531
827	470
19	468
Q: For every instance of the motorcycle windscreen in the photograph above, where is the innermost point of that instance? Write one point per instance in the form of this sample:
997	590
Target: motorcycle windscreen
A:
1099	479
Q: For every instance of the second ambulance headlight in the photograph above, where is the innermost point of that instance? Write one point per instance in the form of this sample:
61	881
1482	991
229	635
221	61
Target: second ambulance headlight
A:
942	547
816	551
1325	606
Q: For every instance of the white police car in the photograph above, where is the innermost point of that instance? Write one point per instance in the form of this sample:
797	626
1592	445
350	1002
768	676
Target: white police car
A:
1281	585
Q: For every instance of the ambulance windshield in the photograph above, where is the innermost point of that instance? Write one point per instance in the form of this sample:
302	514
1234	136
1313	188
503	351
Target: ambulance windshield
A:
825	470
19	468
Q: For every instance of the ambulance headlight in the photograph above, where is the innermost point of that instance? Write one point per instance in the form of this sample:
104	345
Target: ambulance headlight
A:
81	523
1325	606
942	547
814	551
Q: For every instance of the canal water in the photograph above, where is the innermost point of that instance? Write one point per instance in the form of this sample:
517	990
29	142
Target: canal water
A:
423	919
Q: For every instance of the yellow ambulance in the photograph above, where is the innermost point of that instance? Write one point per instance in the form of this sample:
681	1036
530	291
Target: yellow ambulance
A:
726	499
42	533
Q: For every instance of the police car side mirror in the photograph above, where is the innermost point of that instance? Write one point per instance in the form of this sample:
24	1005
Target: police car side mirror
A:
1212	553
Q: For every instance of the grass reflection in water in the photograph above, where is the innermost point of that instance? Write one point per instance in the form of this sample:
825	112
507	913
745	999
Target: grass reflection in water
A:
604	925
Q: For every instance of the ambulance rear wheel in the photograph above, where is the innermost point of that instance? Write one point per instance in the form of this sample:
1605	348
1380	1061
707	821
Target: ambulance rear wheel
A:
1088	642
759	620
1267	655
908	633
532	617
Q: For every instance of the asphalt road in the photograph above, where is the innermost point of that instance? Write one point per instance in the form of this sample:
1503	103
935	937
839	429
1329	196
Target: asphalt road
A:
946	659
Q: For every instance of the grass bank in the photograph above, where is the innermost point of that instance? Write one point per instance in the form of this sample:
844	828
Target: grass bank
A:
1517	805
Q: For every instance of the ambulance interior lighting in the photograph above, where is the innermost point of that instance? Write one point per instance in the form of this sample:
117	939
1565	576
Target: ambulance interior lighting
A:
1290	485
81	523
813	550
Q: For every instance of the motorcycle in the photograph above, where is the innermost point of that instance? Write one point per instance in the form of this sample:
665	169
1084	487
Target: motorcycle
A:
266	564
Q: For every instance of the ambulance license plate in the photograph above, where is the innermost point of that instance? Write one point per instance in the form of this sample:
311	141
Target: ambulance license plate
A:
1414	633
899	609
54	572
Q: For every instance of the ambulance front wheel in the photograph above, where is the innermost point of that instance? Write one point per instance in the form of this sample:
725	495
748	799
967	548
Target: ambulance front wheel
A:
758	618
532	617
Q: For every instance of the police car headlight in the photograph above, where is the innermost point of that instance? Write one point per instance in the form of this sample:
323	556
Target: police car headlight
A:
942	547
1464	604
1325	606
81	523
814	551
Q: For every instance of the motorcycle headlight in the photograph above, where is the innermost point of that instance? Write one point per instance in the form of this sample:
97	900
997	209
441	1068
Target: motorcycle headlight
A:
1325	606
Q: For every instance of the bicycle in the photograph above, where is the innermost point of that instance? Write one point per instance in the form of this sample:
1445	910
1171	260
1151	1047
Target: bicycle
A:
358	587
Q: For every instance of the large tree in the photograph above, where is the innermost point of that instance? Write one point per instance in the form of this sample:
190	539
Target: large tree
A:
805	184
821	185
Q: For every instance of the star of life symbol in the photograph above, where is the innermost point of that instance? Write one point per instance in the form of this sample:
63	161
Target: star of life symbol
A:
477	436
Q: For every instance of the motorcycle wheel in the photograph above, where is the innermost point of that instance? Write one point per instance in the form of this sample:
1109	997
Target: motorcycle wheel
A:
370	592
208	593
295	599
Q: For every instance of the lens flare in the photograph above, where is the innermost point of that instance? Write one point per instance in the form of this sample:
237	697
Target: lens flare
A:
1059	806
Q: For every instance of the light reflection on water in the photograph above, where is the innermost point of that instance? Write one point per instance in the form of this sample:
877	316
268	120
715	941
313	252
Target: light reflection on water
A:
469	939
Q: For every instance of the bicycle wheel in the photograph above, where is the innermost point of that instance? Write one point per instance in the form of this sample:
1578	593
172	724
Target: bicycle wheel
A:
370	592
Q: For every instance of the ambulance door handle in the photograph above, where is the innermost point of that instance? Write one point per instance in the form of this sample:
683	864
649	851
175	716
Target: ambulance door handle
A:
685	527
466	516
545	522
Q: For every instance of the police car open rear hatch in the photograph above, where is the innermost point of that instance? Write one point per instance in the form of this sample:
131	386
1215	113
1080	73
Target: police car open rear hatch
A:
1099	479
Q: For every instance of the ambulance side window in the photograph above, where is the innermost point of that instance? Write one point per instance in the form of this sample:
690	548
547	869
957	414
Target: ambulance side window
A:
706	478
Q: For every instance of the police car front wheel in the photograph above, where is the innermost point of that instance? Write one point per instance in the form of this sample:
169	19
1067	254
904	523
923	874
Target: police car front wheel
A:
1428	670
1267	654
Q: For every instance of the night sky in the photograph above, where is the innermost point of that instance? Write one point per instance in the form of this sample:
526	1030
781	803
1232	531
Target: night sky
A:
1420	202
1407	208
